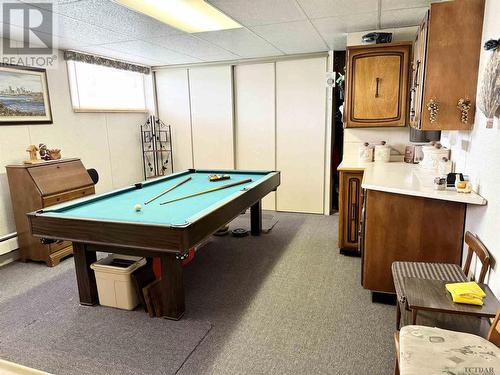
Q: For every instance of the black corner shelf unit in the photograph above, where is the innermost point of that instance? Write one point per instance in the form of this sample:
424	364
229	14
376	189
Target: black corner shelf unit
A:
156	148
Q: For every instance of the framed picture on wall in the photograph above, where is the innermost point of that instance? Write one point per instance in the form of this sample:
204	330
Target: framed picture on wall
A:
24	96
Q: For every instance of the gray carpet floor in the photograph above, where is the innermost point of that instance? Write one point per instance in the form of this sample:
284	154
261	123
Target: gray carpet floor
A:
283	303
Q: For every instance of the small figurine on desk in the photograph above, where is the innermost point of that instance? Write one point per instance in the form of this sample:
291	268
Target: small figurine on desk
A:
49	154
55	154
43	151
32	149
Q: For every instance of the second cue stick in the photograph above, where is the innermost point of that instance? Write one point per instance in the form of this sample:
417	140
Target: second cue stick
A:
169	189
209	190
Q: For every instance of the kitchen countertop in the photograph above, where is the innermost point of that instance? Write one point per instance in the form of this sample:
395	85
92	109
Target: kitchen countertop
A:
407	179
354	166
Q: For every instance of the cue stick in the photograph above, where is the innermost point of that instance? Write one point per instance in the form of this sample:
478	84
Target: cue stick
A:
169	189
209	190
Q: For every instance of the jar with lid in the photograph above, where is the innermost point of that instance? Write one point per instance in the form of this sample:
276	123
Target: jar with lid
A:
365	153
382	152
439	183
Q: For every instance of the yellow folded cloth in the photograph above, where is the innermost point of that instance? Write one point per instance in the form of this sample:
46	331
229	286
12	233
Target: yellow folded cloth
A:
467	300
467	292
466	288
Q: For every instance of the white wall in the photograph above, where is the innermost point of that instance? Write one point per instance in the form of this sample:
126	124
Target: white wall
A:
255	125
211	90
269	115
397	138
301	134
108	142
174	108
477	153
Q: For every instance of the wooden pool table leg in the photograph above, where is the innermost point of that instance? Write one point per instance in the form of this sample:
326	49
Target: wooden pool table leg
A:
256	218
172	286
85	277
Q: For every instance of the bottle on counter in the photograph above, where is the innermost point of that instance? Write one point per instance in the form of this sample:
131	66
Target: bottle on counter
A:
365	153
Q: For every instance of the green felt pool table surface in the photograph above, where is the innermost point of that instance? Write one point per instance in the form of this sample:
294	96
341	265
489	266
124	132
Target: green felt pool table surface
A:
119	205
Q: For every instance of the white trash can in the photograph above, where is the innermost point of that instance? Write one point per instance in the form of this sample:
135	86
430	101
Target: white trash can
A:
114	281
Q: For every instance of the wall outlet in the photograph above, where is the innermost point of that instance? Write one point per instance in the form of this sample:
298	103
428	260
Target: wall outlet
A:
465	145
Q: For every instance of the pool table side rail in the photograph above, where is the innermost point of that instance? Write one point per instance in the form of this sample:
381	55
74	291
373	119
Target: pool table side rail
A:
152	237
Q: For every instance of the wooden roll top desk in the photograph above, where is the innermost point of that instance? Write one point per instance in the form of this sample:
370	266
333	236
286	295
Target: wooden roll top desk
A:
40	185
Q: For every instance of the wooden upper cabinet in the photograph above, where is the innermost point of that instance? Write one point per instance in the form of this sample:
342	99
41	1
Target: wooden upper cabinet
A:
417	73
377	85
446	64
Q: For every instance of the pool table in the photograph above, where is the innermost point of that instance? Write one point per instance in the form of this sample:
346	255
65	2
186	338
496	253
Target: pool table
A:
110	223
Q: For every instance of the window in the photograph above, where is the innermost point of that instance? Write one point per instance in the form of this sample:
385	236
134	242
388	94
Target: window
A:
97	88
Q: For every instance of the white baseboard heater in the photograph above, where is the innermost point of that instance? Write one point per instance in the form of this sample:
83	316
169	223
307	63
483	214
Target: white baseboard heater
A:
8	248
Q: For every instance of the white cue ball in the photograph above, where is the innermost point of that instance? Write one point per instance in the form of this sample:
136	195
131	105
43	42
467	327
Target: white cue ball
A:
137	207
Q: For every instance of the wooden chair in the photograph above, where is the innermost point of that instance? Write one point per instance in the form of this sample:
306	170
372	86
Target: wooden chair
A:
493	337
476	247
438	271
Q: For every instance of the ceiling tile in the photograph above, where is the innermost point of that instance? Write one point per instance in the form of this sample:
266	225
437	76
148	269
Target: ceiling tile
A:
260	12
292	37
55	2
193	46
85	33
335	8
331	27
402	17
338	42
404	4
82	32
9	1
151	51
65	44
16	34
106	52
112	16
241	42
58	42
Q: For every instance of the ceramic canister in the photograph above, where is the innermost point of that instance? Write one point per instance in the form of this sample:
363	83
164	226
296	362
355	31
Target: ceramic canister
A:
382	153
432	156
365	153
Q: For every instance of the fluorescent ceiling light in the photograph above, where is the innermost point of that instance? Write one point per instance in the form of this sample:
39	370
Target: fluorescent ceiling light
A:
192	16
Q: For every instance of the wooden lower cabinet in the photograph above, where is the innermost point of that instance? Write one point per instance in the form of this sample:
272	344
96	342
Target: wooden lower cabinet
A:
40	185
350	204
407	228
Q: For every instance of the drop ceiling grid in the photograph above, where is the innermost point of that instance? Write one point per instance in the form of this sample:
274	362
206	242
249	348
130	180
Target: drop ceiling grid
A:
110	19
270	28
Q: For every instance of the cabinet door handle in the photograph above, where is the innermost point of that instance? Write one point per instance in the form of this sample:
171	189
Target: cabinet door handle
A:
376	90
415	80
353	212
